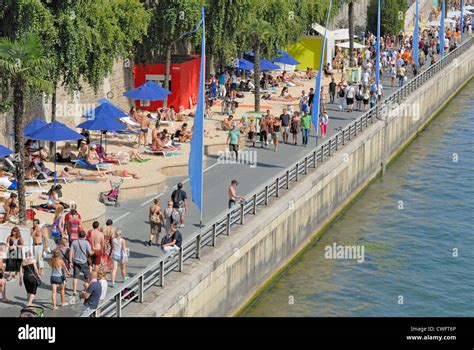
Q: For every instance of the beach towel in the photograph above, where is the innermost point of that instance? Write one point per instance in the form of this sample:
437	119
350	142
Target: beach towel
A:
140	161
84	164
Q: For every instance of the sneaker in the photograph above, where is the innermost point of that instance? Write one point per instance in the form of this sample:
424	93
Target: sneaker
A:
181	226
149	243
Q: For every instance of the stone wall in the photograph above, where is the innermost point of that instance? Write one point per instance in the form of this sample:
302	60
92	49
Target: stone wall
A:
71	106
227	276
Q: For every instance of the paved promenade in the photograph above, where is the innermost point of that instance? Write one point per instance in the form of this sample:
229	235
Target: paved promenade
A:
132	216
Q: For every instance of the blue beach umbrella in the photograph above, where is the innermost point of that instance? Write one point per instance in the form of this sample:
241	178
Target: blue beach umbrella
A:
102	123
106	109
54	132
32	126
285	59
244	64
5	151
267	65
150	91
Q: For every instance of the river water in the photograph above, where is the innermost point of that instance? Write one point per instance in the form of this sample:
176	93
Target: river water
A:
416	225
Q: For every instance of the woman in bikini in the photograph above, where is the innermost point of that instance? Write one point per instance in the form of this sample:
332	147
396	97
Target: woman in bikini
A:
123	173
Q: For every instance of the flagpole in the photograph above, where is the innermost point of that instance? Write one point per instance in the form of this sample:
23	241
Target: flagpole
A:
377	53
416	39
317	93
203	87
441	31
461	20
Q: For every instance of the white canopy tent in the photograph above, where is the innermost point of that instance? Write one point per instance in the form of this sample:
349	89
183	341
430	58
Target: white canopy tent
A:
469	7
457	14
331	37
346	45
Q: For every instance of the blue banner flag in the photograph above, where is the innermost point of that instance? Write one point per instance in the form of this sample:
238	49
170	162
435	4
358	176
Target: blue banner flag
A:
441	31
197	143
461	19
377	51
416	40
317	92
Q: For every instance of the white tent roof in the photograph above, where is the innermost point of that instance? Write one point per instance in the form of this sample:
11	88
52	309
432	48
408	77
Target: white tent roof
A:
469	7
345	45
457	14
437	23
338	34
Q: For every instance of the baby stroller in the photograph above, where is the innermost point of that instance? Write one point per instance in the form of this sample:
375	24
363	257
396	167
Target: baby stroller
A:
112	196
32	311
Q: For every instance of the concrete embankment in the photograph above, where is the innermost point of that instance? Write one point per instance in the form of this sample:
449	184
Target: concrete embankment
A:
231	274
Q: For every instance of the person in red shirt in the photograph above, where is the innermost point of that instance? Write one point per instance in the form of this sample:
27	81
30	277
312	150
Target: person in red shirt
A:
73	224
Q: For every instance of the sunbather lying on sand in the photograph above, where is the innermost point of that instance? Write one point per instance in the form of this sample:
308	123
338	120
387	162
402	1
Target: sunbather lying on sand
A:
82	174
123	173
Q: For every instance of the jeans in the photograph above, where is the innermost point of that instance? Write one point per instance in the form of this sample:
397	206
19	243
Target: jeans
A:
401	80
305	134
332	96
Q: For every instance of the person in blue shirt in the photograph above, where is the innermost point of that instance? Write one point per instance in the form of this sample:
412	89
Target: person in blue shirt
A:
92	293
173	240
233	140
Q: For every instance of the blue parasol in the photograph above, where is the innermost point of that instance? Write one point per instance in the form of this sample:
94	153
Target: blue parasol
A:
53	132
5	151
267	65
150	91
285	59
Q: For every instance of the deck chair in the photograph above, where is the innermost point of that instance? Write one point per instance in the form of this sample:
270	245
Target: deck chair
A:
98	167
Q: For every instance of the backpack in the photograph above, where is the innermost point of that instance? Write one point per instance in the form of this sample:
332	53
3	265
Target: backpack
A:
155	218
178	200
341	93
55	231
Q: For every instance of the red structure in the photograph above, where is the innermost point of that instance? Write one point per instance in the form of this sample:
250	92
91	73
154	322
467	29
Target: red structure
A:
184	81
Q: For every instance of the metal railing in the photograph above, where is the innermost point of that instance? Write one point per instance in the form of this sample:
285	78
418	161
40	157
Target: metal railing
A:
154	275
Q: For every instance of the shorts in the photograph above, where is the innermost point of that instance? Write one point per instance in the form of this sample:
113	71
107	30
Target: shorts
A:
251	135
119	258
38	255
350	101
145	131
275	134
155	229
97	257
57	280
233	148
81	267
286	129
231	203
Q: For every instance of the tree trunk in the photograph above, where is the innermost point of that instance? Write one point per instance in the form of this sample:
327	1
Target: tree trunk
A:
351	33
256	73
53	114
18	105
166	83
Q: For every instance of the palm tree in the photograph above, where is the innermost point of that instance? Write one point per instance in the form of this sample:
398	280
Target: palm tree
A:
255	34
24	65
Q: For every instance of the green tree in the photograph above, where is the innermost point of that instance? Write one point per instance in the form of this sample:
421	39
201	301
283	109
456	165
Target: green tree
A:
171	21
272	25
91	35
24	65
392	16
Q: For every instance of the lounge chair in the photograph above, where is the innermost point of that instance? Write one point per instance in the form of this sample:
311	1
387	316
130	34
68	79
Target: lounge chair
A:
40	182
98	167
161	152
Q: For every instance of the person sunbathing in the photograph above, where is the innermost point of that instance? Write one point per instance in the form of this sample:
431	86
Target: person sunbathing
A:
82	174
183	135
66	154
83	150
123	173
92	156
131	154
227	123
10	207
159	145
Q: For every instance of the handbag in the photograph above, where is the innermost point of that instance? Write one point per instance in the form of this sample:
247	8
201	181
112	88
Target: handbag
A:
89	257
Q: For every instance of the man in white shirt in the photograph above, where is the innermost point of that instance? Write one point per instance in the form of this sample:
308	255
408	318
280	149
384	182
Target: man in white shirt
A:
365	78
350	95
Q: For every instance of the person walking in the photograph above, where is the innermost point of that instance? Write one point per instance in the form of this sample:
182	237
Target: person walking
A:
108	232
180	202
252	131
97	242
40	244
323	124
276	132
155	217
73	224
332	91
295	127
350	95
57	228
29	277
305	128
285	119
233	139
78	257
59	272
15	245
3	283
119	256
264	131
